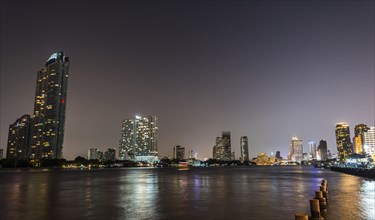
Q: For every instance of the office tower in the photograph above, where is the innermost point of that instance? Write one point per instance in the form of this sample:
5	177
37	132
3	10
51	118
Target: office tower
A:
178	152
312	147
369	142
322	150
222	150
343	142
92	154
49	109
110	154
19	138
296	150
100	156
214	152
139	139
244	149
358	139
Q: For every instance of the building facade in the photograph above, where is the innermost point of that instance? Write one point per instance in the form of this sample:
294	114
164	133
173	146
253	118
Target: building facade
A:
296	149
244	149
49	109
19	138
222	149
358	139
92	154
139	139
322	150
343	141
110	154
369	142
312	148
178	152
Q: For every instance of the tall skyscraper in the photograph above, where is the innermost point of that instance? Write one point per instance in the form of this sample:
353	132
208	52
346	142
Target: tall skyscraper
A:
312	148
19	138
139	139
343	142
369	142
296	149
244	149
358	140
49	109
178	152
222	150
322	150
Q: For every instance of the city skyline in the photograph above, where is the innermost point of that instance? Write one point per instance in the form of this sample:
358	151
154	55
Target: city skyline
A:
278	70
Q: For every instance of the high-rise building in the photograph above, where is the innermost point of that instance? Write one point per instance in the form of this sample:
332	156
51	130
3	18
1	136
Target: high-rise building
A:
178	152
244	149
322	150
19	138
110	154
49	110
343	142
222	150
296	149
92	154
100	156
139	139
358	139
369	141
214	152
312	148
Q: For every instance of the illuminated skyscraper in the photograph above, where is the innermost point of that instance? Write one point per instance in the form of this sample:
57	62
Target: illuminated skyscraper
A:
358	140
222	150
369	142
244	149
139	139
49	109
312	147
178	152
19	138
343	142
296	150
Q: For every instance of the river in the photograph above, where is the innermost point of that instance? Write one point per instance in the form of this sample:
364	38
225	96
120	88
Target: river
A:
166	193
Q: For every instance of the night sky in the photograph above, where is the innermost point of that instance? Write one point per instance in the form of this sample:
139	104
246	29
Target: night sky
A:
263	69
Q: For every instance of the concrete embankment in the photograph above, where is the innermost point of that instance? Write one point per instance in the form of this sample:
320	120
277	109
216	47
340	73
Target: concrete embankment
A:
369	173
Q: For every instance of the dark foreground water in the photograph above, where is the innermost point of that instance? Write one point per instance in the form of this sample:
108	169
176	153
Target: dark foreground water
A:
199	193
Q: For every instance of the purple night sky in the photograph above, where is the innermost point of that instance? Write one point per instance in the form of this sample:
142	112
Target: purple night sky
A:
263	69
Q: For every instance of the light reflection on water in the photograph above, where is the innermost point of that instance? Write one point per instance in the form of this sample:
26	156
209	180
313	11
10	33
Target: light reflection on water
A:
201	193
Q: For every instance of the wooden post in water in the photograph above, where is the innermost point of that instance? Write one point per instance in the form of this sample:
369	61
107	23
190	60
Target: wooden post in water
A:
325	192
322	200
325	183
301	217
315	209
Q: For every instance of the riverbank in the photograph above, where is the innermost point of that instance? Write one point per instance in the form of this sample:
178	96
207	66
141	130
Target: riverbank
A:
368	173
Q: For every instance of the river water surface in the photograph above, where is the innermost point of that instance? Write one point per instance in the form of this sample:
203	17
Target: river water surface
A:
168	193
